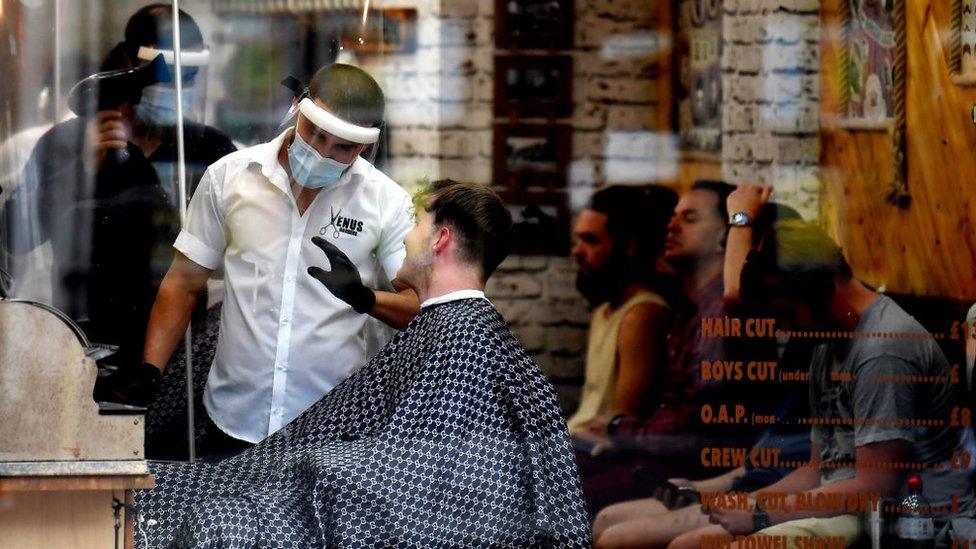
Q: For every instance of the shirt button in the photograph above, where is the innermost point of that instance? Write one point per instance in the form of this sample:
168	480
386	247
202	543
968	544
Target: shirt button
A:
284	321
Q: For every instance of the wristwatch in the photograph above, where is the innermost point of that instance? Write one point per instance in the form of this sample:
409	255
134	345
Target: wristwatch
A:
740	219
614	424
760	519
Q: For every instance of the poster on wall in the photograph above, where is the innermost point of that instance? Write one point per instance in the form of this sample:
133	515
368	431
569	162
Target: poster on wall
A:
967	21
700	75
870	61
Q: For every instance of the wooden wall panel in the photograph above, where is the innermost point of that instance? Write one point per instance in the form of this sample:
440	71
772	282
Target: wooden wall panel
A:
930	247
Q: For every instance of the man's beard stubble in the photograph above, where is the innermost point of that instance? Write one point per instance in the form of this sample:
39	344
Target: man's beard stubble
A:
606	283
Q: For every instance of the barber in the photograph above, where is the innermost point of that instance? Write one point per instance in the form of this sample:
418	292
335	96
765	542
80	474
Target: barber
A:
286	337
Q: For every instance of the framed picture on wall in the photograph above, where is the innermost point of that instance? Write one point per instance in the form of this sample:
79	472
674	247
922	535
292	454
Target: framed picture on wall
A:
534	24
540	221
870	64
699	77
533	85
963	51
531	156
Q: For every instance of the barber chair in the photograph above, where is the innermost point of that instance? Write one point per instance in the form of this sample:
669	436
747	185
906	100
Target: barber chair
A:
67	464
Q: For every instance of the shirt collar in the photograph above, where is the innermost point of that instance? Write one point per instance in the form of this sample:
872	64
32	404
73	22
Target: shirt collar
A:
266	156
453	296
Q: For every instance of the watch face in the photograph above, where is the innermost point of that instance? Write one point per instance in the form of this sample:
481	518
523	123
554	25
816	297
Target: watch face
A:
739	219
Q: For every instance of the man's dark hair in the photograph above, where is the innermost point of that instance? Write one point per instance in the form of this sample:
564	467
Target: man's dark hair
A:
153	24
721	189
350	93
797	262
479	218
638	217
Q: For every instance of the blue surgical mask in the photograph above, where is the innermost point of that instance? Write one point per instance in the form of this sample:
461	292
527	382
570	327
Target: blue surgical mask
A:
309	168
158	104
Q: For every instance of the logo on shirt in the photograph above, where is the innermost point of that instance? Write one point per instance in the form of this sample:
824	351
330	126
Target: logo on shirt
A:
340	224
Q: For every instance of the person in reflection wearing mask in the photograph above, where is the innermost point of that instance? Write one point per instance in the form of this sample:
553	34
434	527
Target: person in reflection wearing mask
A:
266	214
101	190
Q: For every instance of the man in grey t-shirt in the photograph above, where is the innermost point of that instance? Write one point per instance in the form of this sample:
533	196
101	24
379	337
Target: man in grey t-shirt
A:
863	381
868	419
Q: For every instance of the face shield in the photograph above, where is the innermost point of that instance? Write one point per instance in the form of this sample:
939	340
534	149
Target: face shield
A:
329	122
158	105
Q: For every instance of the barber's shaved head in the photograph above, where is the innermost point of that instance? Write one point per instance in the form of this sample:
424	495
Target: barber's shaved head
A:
350	93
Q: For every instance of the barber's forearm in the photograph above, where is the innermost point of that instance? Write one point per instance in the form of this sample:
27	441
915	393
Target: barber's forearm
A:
396	309
168	321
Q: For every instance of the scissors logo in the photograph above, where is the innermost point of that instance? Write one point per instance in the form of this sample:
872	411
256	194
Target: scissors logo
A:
335	228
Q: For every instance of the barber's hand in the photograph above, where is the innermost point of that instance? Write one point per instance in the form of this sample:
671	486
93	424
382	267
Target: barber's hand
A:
136	384
749	199
106	133
343	279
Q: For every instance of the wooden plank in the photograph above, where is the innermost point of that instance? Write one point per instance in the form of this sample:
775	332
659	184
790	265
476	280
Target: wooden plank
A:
930	247
76	483
66	520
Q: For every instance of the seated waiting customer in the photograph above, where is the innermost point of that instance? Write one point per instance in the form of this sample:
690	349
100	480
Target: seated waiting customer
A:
802	275
449	437
618	240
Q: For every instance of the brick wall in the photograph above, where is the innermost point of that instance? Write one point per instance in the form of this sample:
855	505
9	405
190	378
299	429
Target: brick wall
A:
441	115
440	112
771	84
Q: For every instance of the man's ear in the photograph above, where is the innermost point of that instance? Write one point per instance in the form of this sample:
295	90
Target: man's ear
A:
442	238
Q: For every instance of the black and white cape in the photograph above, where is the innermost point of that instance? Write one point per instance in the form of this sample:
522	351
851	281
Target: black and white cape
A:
449	437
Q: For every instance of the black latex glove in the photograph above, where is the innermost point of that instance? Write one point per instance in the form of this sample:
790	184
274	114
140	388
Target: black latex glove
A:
136	384
343	280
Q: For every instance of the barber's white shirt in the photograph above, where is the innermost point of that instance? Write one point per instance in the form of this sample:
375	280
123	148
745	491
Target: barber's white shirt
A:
285	340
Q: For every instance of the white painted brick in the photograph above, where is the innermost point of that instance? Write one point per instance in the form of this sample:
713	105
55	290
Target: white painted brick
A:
561	284
469	115
475	170
566	340
630	90
587	143
630	117
800	56
791	117
458	143
738	118
748	29
532	338
745	89
559	367
513	286
797	28
797	150
782	88
743	59
455	8
809	6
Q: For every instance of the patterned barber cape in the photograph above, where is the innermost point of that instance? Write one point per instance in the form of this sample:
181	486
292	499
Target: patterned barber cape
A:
449	437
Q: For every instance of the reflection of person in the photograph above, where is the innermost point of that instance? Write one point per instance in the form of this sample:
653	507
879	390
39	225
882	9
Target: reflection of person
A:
803	276
668	441
285	339
107	214
618	241
449	437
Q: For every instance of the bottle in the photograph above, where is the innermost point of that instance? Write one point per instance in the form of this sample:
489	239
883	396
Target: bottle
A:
914	527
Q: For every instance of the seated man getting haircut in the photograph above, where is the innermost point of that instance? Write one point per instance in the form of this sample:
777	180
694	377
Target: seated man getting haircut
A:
449	437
